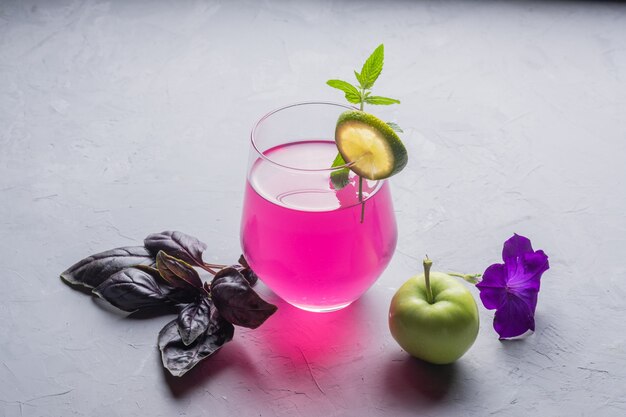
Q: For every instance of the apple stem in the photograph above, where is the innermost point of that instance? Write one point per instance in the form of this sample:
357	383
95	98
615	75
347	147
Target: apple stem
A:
427	263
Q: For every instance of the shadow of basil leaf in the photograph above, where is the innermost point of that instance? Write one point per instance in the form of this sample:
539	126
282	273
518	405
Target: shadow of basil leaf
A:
95	269
179	358
177	244
237	302
132	289
193	320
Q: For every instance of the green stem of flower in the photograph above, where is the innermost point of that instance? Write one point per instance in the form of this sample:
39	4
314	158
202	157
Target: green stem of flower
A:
427	263
471	278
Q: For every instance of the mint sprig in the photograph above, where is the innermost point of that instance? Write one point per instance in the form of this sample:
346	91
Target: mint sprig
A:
370	72
360	95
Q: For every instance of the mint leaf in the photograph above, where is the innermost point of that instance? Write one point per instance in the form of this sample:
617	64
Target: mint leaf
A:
381	100
341	177
352	93
372	68
358	78
339	161
395	127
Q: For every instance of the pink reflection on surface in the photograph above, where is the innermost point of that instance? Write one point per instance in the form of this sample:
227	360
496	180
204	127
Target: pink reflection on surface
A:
327	338
299	352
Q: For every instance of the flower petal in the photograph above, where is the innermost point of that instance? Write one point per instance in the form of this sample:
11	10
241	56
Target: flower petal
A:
492	298
525	271
528	296
492	286
514	318
516	246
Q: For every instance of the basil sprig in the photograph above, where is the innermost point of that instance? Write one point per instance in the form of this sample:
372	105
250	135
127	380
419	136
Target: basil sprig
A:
162	274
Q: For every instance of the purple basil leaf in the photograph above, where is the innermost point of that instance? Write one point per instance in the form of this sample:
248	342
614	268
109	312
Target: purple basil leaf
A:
250	276
132	289
193	320
236	300
179	358
184	295
247	272
95	269
242	261
152	271
178	245
177	272
177	295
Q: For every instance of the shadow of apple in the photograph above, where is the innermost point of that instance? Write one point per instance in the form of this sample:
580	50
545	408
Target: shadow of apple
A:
413	381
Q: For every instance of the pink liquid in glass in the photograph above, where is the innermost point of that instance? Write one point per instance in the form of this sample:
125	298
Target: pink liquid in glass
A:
304	239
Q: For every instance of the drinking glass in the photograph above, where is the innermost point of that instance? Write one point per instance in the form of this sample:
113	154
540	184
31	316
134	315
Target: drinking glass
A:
305	240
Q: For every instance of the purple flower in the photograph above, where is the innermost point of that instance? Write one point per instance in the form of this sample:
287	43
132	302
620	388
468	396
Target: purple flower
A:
511	288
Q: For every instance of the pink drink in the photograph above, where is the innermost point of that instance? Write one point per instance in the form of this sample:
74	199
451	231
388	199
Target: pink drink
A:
304	239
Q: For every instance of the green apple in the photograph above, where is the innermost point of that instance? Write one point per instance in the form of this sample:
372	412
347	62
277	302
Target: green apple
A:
434	317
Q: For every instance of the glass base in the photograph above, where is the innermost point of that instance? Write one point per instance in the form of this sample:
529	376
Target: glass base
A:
324	309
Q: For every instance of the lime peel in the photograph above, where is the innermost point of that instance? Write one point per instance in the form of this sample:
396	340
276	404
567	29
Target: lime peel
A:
371	147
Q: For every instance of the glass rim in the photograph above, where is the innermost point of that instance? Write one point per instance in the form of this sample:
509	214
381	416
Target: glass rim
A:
288	106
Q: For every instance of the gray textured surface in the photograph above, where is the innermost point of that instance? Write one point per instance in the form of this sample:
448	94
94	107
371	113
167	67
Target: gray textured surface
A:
118	119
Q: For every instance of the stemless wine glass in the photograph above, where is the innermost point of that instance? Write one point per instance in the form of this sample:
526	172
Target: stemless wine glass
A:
304	239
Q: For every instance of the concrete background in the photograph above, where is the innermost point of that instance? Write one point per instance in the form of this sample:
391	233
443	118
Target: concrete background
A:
122	118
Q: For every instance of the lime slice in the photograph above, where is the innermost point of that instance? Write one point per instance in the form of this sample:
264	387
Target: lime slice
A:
371	146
